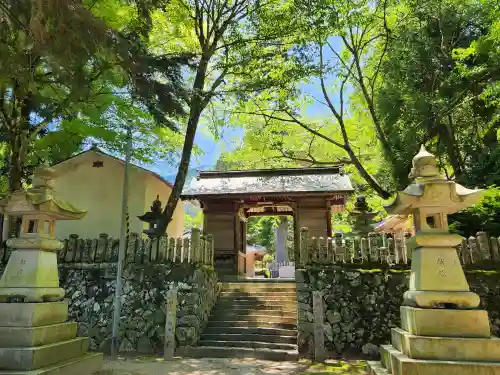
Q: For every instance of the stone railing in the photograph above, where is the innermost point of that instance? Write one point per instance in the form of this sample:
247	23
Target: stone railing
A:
197	248
382	249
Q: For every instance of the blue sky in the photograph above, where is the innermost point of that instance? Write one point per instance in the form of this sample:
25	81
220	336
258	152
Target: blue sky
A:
231	138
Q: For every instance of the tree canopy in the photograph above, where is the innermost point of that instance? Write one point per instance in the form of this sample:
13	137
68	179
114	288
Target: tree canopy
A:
70	72
309	82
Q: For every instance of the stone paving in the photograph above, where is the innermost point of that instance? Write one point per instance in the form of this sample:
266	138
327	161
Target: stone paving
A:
205	366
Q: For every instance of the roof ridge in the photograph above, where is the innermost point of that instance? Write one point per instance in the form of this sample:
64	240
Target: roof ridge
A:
273	172
95	148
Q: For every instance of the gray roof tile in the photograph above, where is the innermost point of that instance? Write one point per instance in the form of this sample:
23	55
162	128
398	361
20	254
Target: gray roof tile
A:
293	181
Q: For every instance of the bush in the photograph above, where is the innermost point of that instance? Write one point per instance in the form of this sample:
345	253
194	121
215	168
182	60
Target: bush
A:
484	216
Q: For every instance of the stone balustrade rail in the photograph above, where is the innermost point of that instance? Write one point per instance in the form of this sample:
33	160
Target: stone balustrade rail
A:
198	248
378	248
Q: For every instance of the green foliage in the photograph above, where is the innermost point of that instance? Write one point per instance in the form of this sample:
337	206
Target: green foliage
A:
261	230
484	216
193	221
60	87
338	368
439	87
277	119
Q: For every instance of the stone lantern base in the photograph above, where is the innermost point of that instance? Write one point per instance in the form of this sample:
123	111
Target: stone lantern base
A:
440	342
35	338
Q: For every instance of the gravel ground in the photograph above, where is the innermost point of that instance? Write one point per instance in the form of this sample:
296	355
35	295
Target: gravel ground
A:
205	366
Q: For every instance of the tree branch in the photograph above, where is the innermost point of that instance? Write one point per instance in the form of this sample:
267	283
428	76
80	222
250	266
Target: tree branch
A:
338	115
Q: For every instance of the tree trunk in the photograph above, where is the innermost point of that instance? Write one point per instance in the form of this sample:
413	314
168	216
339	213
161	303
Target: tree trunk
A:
18	129
197	104
16	163
448	137
180	178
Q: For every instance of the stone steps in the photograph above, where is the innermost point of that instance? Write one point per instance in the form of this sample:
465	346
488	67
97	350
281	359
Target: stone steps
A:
253	288
254	312
228	318
251	331
226	303
259	294
252	320
261	282
250	324
248	344
257	299
250	337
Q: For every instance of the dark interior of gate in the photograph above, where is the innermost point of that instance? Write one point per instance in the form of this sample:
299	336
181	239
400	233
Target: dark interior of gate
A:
309	195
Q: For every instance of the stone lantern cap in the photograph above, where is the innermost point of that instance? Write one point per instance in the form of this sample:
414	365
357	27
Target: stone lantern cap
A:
155	213
42	199
362	208
361	204
432	191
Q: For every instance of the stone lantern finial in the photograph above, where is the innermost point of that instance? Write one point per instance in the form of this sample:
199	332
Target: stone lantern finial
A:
424	165
156	206
43	177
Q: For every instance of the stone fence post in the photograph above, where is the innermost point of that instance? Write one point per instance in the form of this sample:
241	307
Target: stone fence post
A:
211	250
170	323
195	244
319	335
304	247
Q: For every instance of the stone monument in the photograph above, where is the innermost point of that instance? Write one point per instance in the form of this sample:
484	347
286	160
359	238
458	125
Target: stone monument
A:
442	330
35	337
362	217
281	241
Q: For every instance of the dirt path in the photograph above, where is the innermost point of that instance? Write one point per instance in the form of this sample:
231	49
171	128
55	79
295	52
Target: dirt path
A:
205	366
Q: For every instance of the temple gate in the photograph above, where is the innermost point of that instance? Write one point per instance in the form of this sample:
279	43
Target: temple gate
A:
228	199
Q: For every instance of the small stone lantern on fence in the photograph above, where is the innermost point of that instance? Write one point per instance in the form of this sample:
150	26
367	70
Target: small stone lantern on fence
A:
362	217
152	217
31	272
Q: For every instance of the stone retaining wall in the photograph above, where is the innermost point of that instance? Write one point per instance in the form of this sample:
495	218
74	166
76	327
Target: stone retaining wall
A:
361	305
90	289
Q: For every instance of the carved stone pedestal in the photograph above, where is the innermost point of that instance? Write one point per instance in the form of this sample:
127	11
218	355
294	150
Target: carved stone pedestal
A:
440	342
35	338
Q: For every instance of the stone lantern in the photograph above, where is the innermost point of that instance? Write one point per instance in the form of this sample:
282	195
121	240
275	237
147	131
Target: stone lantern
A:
152	217
362	217
430	199
31	272
442	331
35	336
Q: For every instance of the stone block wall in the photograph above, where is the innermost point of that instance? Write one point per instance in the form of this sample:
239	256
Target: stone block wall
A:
90	289
362	305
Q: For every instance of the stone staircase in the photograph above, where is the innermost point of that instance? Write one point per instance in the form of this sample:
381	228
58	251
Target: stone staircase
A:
255	319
